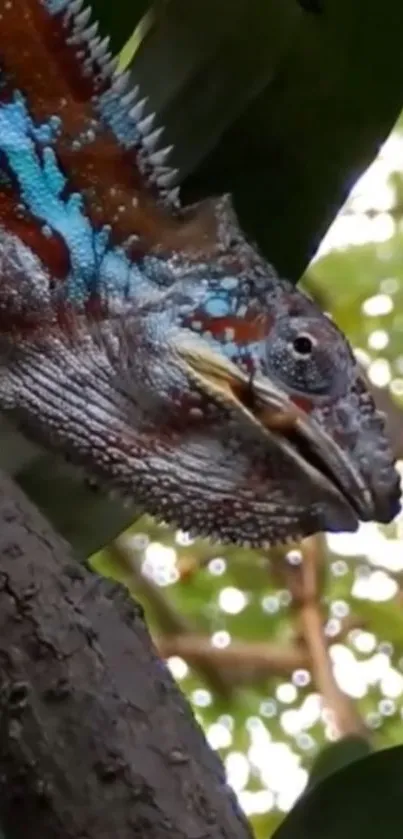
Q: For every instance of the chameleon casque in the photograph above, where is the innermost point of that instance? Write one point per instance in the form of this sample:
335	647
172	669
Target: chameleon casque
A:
151	344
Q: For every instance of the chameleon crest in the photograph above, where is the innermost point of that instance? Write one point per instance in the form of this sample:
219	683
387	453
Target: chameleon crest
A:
150	343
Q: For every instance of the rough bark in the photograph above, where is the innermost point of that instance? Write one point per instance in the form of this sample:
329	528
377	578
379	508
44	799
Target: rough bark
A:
95	738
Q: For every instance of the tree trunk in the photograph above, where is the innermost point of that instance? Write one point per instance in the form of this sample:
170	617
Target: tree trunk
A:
96	740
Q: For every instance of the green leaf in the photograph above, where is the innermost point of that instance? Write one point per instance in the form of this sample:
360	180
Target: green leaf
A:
336	756
362	800
119	19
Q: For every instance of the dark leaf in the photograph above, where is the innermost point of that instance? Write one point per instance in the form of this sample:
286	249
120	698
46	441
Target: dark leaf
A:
282	108
336	756
362	800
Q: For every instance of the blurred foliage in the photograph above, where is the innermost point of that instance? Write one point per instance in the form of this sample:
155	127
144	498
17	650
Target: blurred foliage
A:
260	704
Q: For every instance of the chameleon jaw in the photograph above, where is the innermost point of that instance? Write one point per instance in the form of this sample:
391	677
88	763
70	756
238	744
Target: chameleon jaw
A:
269	409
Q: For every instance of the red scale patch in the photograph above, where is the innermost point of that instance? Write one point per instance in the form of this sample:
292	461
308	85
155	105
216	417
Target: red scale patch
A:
49	71
302	402
243	331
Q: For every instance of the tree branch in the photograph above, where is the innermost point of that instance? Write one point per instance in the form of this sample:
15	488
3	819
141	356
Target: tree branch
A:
243	662
95	738
304	582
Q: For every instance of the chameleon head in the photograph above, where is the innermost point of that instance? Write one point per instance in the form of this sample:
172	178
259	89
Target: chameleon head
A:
257	430
239	416
295	396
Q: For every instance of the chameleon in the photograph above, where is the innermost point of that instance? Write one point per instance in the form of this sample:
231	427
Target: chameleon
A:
150	343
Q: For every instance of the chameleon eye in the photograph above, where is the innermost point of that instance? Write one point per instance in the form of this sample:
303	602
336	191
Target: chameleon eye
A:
303	345
307	356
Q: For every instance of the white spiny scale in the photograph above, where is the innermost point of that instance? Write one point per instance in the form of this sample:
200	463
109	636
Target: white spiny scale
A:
95	56
128	98
104	45
87	66
150	157
158	173
169	198
173	196
120	82
146	124
95	42
75	7
167	179
110	67
136	91
99	52
81	20
90	33
164	170
138	110
151	140
74	40
159	157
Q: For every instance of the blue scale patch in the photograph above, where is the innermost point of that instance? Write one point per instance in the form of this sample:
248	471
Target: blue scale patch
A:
96	267
116	116
54	7
218	297
222	299
217	306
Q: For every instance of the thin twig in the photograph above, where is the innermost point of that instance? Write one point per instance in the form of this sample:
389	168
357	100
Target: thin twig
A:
304	582
243	662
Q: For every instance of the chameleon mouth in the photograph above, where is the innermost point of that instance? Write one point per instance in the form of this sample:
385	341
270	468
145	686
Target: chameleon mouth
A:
318	455
264	406
360	499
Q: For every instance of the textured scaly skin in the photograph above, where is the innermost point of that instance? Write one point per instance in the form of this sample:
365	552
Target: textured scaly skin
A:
151	344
